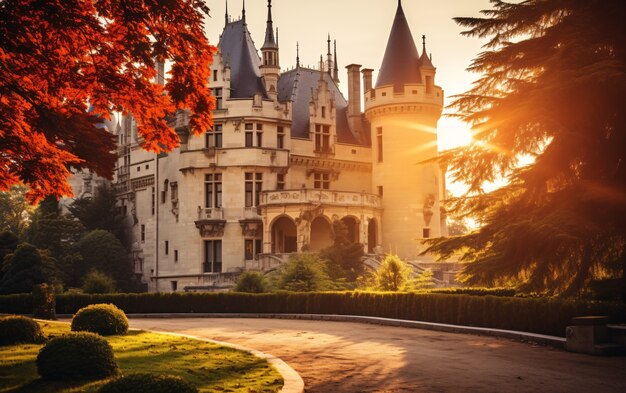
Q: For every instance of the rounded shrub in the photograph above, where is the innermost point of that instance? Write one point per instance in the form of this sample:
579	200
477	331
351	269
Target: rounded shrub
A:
148	383
104	319
251	282
77	356
19	330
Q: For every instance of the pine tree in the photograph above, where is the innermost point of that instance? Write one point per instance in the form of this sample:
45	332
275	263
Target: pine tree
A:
553	87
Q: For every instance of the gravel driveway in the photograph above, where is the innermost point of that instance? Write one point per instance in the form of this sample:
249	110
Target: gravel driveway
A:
352	357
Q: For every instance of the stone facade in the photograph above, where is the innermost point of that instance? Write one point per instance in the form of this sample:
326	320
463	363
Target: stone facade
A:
288	155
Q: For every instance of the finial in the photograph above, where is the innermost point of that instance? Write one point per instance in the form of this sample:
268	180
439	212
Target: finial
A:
424	43
226	14
277	36
297	54
243	12
328	41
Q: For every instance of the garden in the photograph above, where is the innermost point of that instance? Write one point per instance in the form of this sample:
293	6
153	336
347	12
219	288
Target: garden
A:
97	353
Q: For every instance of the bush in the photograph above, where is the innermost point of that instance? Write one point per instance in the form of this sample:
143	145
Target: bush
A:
76	356
44	304
103	319
251	282
542	315
19	330
97	282
148	383
303	273
393	274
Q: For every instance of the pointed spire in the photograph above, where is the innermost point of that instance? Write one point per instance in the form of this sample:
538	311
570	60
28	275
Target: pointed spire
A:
336	68
401	62
425	61
226	14
270	42
243	12
297	54
328	44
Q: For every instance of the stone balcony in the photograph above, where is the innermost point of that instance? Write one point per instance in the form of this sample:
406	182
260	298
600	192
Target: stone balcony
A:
317	197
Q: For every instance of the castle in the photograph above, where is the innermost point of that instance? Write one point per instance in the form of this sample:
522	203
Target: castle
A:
287	156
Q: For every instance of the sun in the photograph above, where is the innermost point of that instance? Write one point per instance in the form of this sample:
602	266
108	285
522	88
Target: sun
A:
452	133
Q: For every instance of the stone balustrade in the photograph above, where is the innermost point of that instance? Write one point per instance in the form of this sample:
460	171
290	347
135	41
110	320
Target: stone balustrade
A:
327	197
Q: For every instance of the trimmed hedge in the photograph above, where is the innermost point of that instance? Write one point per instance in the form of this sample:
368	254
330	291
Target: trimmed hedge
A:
77	355
506	292
103	319
19	330
537	315
148	383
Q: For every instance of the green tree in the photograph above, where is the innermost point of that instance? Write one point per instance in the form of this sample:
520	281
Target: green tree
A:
52	231
393	274
102	251
303	273
344	258
98	282
14	209
251	282
25	268
8	245
100	212
552	88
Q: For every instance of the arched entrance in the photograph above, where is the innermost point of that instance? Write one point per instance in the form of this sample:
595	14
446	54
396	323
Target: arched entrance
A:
372	235
352	225
321	231
284	236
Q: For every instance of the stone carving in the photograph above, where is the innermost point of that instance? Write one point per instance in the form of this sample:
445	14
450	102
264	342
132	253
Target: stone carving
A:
213	228
427	211
251	228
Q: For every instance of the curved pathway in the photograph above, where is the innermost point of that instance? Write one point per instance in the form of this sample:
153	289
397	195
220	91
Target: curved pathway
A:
353	357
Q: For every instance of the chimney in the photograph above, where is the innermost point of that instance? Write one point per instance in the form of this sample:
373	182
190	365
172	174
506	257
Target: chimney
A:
354	98
367	79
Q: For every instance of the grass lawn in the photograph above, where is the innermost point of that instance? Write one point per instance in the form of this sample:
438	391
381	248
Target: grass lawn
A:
210	367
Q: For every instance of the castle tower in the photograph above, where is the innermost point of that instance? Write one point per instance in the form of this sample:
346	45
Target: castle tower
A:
271	65
403	109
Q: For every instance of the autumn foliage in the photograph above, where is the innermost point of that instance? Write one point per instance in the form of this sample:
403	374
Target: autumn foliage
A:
60	57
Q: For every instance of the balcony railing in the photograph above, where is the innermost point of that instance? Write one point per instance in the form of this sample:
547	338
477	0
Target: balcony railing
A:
304	195
210	213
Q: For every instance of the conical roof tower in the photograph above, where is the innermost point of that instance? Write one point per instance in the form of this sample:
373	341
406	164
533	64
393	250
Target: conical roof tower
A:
401	62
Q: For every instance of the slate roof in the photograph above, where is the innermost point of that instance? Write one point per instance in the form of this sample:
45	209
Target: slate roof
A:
238	51
401	62
296	86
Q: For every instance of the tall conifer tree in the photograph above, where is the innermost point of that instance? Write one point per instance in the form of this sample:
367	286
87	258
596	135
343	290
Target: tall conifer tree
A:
552	87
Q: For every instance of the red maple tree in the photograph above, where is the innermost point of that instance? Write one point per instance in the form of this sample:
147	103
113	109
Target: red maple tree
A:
60	57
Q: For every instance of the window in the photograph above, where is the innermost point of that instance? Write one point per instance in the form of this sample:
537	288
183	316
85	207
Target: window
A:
143	233
323	112
380	191
426	233
280	139
252	248
248	138
322	138
253	188
138	168
147	166
213	190
174	191
175	255
167	247
280	181
217	93
174	285
379	143
429	84
321	181
259	135
212	256
213	138
153	201
214	75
